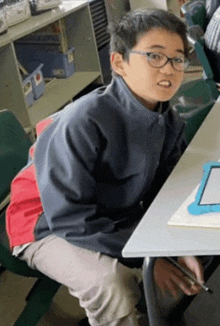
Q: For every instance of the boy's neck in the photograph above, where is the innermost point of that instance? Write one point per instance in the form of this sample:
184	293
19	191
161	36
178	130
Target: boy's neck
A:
158	107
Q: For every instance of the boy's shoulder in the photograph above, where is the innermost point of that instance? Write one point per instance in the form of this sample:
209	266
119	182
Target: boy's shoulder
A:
90	102
97	105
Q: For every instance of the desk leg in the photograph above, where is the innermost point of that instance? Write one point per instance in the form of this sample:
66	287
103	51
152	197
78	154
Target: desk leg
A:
154	314
149	291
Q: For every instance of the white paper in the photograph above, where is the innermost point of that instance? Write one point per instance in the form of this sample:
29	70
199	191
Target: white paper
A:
183	218
211	193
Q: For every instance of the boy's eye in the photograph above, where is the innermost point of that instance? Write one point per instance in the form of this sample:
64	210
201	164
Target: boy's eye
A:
178	60
156	56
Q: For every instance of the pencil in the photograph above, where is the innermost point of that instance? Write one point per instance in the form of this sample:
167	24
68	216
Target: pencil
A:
182	269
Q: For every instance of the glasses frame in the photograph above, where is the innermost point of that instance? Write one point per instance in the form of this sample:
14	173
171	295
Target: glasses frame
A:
147	55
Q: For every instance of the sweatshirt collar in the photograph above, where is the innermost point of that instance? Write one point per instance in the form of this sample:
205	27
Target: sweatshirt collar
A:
126	96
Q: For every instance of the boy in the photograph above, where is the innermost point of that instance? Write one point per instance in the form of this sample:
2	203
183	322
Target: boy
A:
98	165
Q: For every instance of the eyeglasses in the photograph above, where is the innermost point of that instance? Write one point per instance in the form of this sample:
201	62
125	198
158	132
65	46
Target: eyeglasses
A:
159	60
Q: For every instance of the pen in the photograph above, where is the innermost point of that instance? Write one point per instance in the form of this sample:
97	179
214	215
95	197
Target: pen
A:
182	269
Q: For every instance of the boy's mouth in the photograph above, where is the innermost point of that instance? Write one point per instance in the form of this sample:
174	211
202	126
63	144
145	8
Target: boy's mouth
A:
164	83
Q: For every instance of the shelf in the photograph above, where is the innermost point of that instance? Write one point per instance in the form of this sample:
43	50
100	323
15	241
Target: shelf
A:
79	33
4	39
58	92
34	23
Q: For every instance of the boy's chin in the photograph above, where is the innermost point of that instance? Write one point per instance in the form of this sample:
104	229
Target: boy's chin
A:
166	95
166	98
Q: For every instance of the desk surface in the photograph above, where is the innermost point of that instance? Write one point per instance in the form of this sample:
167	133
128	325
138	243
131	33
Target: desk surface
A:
153	237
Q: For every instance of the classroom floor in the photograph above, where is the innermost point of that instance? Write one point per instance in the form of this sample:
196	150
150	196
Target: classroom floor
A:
64	310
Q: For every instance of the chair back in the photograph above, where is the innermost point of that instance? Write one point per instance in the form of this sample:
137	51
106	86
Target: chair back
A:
196	37
14	147
211	41
195	13
195	99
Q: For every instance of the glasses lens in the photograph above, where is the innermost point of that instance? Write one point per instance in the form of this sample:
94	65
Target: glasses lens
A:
180	63
156	60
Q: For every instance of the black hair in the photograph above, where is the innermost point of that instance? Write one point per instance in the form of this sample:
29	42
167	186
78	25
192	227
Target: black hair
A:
126	31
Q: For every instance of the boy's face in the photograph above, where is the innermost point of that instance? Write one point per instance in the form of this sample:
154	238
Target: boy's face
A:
152	85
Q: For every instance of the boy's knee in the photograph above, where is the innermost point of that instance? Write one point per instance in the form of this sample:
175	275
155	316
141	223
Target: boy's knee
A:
115	295
123	280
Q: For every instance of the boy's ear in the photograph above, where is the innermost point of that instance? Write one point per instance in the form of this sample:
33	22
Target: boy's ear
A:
117	63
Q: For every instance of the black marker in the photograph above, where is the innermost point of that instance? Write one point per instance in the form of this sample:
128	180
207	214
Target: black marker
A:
182	269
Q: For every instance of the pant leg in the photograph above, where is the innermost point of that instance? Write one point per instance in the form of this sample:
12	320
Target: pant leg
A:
106	289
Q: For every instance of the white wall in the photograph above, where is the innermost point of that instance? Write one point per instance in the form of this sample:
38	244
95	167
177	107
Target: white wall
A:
162	4
171	5
116	8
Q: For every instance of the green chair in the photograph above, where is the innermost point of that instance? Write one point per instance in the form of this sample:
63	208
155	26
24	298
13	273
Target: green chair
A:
14	146
195	99
195	13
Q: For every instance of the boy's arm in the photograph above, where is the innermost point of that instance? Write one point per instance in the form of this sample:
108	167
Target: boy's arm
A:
65	158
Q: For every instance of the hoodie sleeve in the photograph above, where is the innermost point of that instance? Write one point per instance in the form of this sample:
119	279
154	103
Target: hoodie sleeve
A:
65	157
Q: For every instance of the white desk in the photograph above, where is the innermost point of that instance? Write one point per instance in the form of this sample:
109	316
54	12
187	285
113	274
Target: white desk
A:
152	236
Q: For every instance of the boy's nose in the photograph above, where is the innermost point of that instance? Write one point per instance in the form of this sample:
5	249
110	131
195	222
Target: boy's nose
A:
168	68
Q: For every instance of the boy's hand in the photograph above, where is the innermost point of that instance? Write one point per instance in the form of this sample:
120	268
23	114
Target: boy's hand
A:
170	279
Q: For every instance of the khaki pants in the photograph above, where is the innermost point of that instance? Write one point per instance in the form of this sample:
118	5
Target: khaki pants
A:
106	289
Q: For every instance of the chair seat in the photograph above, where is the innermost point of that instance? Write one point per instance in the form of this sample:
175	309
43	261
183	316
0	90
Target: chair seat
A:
10	262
